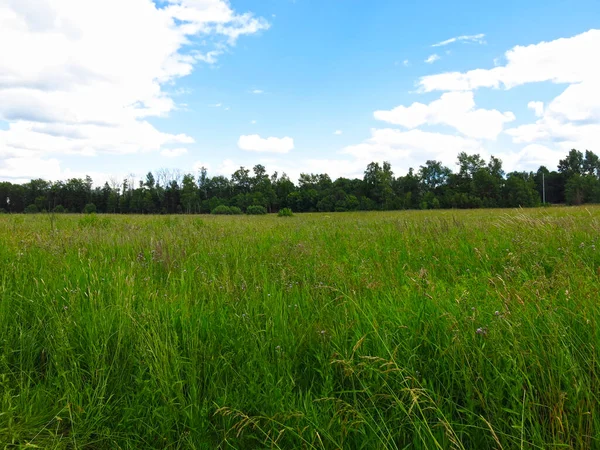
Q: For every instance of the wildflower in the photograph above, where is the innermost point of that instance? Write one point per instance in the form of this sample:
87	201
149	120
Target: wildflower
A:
497	313
482	331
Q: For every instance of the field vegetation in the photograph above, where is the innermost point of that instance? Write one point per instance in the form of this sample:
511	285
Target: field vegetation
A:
423	329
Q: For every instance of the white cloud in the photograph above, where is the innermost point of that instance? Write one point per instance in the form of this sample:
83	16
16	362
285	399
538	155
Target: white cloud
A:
406	63
174	152
253	122
432	58
198	165
257	91
537	107
227	167
216	105
532	156
571	120
38	138
338	132
254	143
566	60
208	57
24	169
412	148
455	109
82	76
476	38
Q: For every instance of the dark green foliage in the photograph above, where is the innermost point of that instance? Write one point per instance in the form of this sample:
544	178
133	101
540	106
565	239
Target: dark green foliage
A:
222	210
256	210
235	210
90	208
59	209
31	209
476	184
285	212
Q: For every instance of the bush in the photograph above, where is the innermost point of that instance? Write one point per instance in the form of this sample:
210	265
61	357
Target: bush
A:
221	209
235	210
31	209
2	211
59	209
89	208
256	210
285	212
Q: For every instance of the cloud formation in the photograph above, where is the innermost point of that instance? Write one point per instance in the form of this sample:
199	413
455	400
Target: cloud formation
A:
174	152
565	60
432	58
537	107
405	149
570	120
455	109
475	38
255	143
84	77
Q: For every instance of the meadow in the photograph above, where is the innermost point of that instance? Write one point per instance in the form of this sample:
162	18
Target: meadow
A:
422	330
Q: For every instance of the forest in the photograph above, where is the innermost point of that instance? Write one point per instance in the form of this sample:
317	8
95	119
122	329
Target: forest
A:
476	184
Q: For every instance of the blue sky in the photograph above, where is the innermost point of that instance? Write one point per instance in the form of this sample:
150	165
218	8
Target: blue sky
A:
299	86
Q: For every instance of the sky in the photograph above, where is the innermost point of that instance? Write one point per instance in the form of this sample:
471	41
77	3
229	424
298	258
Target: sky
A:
112	88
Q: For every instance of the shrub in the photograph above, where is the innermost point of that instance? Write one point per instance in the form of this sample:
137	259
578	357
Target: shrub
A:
59	209
256	210
89	208
221	209
235	210
285	212
31	209
2	211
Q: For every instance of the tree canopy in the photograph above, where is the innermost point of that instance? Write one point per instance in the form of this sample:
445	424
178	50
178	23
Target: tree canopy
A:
476	184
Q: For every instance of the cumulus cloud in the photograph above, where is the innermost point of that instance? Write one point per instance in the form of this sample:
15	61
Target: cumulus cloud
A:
411	148
174	152
338	132
432	58
257	91
254	143
83	76
572	119
475	38
565	60
537	107
455	109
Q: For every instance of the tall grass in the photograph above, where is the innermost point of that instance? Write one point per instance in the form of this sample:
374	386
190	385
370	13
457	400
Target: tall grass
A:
363	330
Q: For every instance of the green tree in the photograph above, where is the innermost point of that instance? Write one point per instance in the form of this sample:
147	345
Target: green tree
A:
189	194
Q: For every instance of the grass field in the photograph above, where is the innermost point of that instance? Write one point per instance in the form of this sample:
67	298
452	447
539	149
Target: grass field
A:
448	329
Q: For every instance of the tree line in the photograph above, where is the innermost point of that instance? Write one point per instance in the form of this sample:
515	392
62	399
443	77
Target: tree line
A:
476	184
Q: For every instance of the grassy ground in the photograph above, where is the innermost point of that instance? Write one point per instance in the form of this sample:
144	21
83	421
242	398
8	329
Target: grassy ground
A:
446	329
